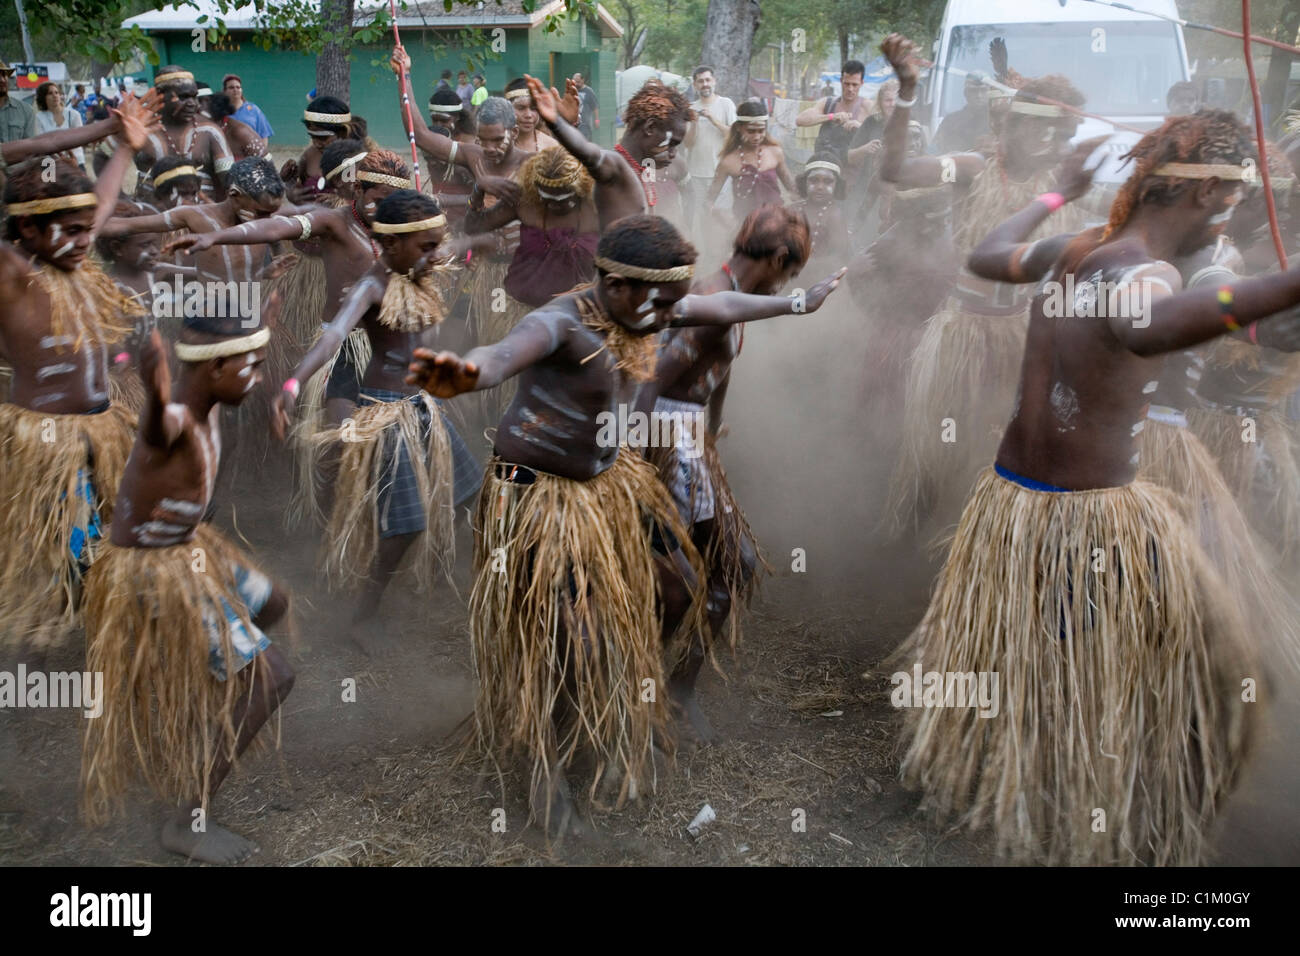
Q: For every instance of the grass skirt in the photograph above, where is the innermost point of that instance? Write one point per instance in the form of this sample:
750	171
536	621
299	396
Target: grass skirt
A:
126	388
41	457
538	546
1264	475
165	715
965	368
487	327
302	289
1121	659
369	442
725	553
1175	459
311	419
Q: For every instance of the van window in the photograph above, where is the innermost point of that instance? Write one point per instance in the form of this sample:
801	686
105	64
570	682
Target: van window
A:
1141	61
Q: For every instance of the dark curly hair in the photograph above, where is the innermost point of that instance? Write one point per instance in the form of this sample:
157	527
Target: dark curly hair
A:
28	183
651	242
656	103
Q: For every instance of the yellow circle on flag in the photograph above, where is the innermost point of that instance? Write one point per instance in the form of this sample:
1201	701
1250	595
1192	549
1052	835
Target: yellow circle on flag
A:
33	76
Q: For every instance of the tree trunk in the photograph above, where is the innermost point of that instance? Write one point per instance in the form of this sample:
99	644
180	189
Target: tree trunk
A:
333	71
844	46
729	29
1273	91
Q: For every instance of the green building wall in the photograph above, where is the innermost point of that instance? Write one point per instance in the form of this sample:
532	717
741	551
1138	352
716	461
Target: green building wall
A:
278	81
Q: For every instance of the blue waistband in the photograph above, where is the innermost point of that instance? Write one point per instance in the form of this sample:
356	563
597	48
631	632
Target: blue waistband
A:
385	396
1024	482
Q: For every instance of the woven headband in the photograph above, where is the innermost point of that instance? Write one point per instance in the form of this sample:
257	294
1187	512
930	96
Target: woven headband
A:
1245	174
675	274
327	119
204	91
39	207
560	183
389	228
179	76
1036	109
351	160
171	174
515	94
211	350
443	108
397	182
822	164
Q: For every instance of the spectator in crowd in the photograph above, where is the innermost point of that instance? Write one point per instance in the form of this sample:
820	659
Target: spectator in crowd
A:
444	82
866	149
711	119
839	117
480	91
464	90
247	113
448	112
17	121
1183	99
588	107
52	113
959	131
78	101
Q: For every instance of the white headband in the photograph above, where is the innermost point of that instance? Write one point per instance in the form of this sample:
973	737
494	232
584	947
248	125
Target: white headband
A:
1036	109
1245	174
822	164
236	346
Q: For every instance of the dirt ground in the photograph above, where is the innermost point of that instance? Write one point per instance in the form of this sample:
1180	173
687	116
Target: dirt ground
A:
807	731
374	782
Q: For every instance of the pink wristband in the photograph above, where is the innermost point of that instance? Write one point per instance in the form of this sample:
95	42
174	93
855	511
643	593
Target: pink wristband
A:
291	386
1053	201
121	358
1252	332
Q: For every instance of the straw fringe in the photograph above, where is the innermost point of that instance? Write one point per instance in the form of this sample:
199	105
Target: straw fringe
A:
303	289
488	327
1175	459
538	544
87	302
126	388
723	555
165	716
40	456
966	367
352	535
993	196
311	420
1119	688
1264	474
414	306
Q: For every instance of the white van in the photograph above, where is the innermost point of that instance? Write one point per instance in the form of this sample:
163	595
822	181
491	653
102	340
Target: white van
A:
1123	62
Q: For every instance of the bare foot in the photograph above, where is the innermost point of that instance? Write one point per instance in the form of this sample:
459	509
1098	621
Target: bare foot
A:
554	808
215	845
687	703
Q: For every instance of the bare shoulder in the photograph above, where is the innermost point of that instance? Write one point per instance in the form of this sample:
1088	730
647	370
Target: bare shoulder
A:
14	270
13	264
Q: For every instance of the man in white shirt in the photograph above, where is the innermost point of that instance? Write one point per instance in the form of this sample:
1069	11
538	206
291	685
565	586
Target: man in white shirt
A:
713	116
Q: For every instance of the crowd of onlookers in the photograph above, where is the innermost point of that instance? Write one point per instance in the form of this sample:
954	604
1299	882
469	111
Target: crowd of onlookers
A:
52	108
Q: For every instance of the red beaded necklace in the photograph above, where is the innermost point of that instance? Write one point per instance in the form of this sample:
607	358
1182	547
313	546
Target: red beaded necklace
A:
648	185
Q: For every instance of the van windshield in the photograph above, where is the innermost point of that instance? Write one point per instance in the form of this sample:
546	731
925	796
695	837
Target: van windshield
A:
1125	70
